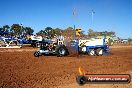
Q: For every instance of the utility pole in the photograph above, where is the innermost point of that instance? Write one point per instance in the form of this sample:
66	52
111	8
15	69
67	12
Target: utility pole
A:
92	14
21	28
74	16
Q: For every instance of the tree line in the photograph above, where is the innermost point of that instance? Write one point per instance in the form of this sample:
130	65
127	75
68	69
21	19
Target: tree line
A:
15	29
51	32
19	29
92	33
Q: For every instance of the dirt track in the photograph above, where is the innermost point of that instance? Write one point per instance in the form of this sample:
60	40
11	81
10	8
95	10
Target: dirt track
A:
19	68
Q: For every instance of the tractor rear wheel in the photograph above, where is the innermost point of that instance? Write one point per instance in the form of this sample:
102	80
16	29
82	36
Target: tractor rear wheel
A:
61	50
38	44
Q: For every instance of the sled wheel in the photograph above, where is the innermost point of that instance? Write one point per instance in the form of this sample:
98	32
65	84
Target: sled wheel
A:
99	52
92	52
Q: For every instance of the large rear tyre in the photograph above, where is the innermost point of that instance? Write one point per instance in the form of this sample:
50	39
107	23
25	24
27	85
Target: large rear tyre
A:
92	52
61	50
37	44
99	52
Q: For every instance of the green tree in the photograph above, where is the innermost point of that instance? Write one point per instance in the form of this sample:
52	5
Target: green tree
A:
58	31
16	29
6	28
91	33
69	32
111	33
27	30
41	33
47	31
50	32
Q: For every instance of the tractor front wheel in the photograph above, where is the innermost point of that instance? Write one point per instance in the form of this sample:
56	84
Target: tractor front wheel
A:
36	53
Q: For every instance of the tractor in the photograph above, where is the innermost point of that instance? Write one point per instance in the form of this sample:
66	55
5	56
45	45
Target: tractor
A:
92	47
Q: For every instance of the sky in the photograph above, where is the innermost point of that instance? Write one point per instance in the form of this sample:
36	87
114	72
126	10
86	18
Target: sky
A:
109	15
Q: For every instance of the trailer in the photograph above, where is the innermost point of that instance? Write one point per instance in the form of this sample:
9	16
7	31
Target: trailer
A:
7	42
35	41
92	47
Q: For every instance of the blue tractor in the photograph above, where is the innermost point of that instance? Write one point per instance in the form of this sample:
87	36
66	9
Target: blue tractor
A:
90	46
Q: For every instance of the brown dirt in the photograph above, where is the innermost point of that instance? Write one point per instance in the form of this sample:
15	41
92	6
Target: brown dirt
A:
19	68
